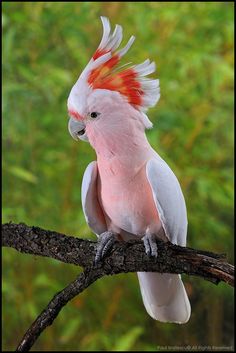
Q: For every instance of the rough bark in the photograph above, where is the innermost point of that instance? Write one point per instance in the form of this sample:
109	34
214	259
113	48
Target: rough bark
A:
124	257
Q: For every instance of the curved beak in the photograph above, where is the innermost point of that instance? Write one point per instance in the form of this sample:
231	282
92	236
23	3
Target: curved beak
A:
77	130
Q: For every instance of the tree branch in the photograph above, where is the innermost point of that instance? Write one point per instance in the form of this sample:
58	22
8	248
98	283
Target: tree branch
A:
124	257
49	314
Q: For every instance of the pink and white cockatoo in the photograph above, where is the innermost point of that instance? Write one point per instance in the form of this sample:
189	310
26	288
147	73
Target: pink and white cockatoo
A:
129	192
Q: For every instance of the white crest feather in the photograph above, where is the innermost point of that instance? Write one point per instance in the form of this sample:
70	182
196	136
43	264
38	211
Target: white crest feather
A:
103	69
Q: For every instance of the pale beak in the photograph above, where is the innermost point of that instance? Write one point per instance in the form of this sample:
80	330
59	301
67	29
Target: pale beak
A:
77	130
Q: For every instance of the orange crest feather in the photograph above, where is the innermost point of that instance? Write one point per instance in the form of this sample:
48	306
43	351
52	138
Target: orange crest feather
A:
102	71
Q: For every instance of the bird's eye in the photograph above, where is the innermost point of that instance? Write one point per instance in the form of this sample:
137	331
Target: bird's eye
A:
94	115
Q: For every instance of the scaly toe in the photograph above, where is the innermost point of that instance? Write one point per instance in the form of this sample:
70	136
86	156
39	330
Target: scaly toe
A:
150	244
105	242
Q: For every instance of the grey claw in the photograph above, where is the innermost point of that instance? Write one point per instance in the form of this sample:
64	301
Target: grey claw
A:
105	242
150	244
146	245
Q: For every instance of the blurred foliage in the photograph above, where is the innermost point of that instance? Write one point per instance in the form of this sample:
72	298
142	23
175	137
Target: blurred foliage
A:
45	47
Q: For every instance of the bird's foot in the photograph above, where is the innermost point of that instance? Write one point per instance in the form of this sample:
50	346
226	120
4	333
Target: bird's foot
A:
105	242
150	244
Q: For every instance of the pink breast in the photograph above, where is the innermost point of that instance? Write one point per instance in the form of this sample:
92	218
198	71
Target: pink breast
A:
129	203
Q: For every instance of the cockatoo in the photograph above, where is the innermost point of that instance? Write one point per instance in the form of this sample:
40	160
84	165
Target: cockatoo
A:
129	192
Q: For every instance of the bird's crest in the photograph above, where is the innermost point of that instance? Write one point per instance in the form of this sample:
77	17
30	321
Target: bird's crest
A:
102	71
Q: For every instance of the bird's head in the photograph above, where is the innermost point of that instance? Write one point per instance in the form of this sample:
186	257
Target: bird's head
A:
106	96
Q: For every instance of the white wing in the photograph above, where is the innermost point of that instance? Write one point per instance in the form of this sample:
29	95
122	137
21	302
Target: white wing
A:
92	209
163	294
169	200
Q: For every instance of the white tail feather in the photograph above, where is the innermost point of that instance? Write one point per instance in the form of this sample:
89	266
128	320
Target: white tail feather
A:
164	297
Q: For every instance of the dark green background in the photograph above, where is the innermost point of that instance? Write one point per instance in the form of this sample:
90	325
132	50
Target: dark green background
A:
45	47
